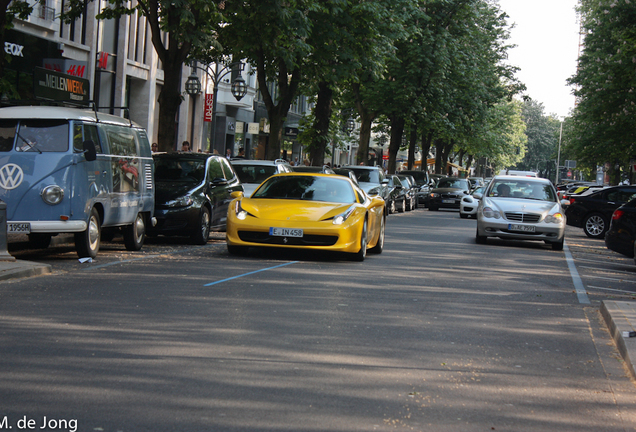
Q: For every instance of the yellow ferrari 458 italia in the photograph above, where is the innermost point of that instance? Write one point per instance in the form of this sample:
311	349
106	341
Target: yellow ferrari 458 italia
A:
307	211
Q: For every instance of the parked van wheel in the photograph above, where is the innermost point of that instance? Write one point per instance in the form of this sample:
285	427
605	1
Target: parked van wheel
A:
135	234
87	242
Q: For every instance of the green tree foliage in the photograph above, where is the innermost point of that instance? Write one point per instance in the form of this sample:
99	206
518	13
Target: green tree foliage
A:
272	35
604	121
189	27
461	59
543	139
351	40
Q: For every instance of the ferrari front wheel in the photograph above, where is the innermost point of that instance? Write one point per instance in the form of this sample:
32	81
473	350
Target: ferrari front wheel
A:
379	245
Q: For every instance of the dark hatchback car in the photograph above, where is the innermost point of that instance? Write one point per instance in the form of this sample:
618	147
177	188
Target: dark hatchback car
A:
448	193
423	182
593	212
192	194
622	231
372	180
411	190
397	194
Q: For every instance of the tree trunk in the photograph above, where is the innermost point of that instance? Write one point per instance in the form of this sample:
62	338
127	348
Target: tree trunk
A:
169	101
427	139
322	117
469	162
366	120
412	143
397	130
439	145
277	113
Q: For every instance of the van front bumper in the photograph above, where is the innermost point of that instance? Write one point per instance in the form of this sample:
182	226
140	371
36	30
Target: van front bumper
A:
53	227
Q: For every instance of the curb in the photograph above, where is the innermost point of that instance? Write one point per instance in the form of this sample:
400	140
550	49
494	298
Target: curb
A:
23	269
620	316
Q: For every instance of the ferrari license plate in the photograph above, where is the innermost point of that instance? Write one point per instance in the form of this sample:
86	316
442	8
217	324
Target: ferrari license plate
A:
18	228
523	228
285	232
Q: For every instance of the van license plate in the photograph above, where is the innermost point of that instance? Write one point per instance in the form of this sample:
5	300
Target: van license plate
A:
285	232
523	228
18	228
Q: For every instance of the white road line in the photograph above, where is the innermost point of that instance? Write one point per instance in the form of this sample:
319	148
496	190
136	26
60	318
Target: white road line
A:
576	279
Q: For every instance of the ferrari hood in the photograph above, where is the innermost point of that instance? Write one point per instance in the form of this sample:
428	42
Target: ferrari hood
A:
292	210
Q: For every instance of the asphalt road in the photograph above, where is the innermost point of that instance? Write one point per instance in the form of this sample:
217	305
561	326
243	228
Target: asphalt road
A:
435	334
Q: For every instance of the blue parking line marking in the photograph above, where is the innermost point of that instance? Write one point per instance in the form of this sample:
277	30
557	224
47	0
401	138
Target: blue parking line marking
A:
250	273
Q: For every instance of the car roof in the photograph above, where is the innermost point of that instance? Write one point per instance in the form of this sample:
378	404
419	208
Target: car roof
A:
258	162
62	113
521	178
180	154
355	167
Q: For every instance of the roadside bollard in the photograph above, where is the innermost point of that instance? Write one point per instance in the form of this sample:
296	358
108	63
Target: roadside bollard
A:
4	253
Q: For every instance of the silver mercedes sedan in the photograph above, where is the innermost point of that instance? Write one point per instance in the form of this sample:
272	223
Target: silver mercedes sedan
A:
521	208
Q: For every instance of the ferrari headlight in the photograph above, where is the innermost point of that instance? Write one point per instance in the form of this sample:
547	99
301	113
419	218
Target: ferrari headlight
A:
339	220
52	194
556	218
490	213
238	210
183	201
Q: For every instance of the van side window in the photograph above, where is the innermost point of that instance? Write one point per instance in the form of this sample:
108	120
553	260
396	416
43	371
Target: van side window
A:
7	134
43	136
83	133
122	141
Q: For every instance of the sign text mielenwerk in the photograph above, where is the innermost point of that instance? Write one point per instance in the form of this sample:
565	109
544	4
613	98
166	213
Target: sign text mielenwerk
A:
52	85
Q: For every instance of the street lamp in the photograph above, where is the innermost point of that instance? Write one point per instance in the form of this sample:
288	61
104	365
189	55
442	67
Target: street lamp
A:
238	86
559	155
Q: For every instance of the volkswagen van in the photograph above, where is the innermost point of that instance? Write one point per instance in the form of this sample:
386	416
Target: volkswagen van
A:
67	170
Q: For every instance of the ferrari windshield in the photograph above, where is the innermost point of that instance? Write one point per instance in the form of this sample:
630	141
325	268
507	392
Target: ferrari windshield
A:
522	188
311	188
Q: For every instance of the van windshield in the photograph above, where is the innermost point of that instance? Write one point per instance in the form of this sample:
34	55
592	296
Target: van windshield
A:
42	136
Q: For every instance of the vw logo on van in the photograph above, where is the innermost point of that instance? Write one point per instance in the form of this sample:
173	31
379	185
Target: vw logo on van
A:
11	176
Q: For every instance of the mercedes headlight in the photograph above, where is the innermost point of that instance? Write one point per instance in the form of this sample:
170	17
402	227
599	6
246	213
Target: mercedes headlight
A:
490	213
556	218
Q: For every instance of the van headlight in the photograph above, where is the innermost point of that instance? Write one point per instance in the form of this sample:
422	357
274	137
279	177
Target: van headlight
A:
52	195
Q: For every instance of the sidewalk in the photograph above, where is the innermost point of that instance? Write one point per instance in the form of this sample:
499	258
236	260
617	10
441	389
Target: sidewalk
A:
620	317
21	269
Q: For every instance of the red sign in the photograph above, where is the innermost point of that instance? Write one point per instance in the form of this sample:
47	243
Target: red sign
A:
208	108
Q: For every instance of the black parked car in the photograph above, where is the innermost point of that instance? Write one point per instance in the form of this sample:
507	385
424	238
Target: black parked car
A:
423	182
448	193
372	180
411	190
192	194
593	212
622	231
397	194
